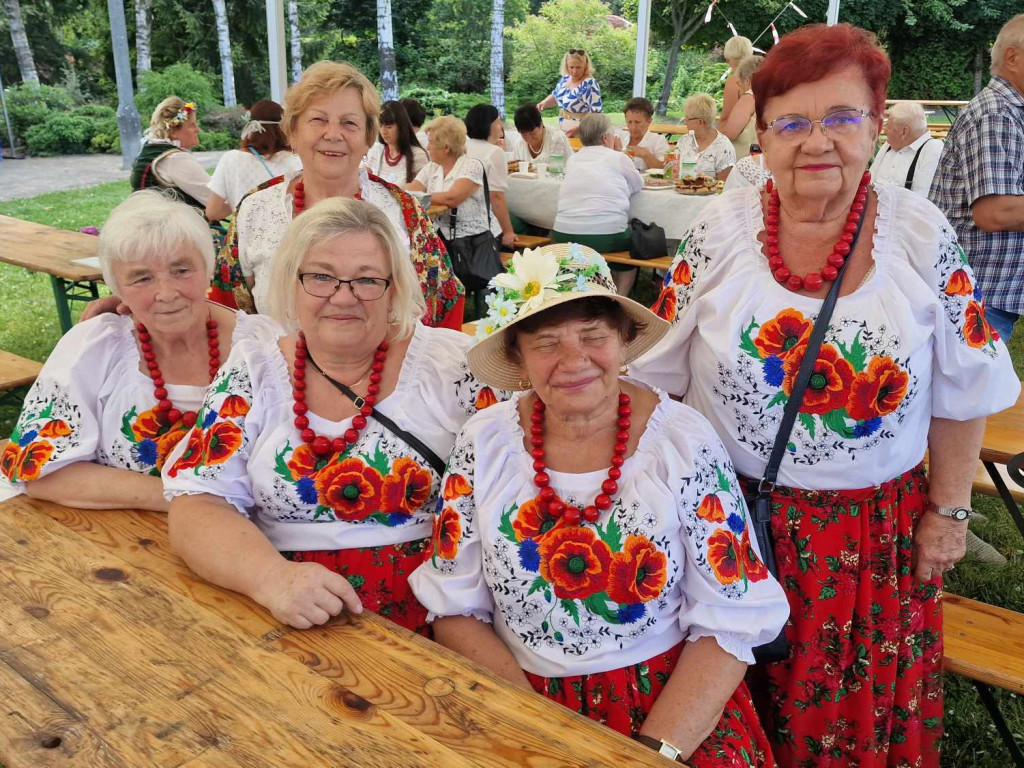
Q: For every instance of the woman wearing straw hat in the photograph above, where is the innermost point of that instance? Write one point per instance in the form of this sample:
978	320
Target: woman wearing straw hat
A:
591	525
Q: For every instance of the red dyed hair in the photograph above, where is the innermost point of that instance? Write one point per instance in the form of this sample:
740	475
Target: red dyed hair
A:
815	51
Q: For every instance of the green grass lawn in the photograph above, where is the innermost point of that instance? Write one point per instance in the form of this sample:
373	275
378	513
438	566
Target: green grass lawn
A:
28	327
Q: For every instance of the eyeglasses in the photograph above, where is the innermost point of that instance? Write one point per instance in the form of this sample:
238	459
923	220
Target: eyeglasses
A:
580	51
324	286
843	122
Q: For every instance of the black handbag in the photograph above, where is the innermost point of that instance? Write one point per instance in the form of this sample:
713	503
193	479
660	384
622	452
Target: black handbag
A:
759	497
646	241
475	258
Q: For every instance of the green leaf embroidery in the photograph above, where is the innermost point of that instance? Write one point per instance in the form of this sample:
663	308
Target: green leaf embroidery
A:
723	481
643	679
569	606
126	425
780	398
835	421
855	354
599	604
827	593
611	534
807	420
506	529
280	467
746	343
379	461
224	385
538	584
45	413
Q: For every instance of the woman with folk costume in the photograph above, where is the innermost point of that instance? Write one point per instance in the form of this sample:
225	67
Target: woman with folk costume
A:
164	162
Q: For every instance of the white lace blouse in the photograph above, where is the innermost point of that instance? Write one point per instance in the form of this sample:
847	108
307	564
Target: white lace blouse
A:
240	171
246	449
712	160
672	559
471	218
911	343
91	403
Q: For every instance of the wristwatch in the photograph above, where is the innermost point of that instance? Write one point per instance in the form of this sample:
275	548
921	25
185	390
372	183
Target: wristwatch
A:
661	746
954	513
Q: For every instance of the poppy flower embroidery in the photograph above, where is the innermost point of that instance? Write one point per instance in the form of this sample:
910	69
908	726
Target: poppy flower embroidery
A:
32	459
147	424
724	556
54	429
406	488
485	398
9	460
531	523
783	332
350	488
752	565
665	306
233	407
167	442
222	441
575	562
447	534
710	509
878	390
681	274
302	462
455	486
977	331
829	387
959	284
638	573
192	456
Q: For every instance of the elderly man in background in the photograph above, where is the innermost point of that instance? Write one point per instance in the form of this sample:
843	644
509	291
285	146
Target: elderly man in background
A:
980	182
647	149
910	155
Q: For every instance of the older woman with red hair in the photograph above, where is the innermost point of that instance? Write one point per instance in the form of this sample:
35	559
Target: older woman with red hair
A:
907	363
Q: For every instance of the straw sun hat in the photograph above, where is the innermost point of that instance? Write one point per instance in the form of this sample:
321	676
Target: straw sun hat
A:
539	279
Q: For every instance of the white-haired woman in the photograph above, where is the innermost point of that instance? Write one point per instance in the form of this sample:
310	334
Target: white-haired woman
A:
118	392
593	203
740	126
704	145
576	93
736	50
164	161
310	477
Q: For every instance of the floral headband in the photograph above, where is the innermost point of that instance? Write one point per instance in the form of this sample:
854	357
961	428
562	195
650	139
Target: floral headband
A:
187	111
534	277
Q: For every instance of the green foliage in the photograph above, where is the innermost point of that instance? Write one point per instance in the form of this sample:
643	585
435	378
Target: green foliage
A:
230	119
438	101
31	105
539	44
62	133
95	111
932	70
215	140
176	80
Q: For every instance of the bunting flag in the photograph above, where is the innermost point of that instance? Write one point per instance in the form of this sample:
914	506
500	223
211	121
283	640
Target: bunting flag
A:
794	7
775	33
707	16
759	50
733	30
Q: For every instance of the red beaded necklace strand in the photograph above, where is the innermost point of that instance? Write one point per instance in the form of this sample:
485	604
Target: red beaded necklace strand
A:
321	444
840	250
299	196
163	405
610	487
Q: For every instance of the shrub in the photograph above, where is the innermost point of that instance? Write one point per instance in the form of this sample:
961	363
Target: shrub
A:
230	119
31	105
216	140
438	101
106	143
176	80
95	111
61	134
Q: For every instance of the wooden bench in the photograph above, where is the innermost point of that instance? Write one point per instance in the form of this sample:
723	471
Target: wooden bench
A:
530	241
986	645
17	371
662	262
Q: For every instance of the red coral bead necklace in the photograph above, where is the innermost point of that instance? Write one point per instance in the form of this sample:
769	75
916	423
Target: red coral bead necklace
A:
164	406
840	251
299	196
609	488
321	444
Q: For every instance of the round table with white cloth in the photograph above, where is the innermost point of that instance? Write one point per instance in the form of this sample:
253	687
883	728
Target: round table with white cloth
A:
535	201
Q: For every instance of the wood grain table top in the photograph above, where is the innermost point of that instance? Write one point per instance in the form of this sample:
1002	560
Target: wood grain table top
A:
983	642
1004	434
41	248
112	653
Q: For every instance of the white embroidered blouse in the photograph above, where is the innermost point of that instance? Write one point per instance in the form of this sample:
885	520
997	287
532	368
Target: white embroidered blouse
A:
711	160
672	559
91	403
911	343
246	449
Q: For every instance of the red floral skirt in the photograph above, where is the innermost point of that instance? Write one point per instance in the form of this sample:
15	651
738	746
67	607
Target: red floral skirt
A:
622	698
863	685
380	576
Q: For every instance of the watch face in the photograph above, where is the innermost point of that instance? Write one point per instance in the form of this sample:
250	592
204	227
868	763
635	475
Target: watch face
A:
960	514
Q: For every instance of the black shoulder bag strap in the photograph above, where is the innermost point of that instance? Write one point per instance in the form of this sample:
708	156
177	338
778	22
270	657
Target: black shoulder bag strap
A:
778	649
411	440
454	213
913	165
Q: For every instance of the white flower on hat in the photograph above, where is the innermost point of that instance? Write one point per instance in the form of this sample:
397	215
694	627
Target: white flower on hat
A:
533	276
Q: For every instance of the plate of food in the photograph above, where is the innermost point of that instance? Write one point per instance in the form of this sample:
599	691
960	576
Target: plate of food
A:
654	183
523	175
700	184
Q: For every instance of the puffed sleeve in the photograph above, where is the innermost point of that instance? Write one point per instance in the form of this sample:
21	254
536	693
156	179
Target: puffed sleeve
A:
728	593
450	582
213	458
60	418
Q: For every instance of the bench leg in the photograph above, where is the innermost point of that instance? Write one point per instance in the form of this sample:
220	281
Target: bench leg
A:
66	291
1006	496
985	693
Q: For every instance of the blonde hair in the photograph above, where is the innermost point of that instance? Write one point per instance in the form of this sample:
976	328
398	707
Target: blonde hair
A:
448	131
1011	35
152	225
746	68
166	111
326	220
326	78
588	65
701	105
737	48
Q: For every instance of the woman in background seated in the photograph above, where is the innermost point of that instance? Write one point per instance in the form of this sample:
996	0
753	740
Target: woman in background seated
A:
593	204
397	156
647	149
263	154
537	143
164	161
704	145
486	131
118	392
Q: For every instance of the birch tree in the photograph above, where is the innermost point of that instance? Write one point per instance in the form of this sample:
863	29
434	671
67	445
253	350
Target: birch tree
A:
143	28
19	39
296	41
498	56
386	49
227	70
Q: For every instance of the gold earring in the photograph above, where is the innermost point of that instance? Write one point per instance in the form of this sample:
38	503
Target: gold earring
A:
524	383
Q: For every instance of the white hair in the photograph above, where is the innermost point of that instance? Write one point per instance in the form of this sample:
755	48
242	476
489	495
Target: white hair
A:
326	220
910	114
151	225
1011	35
593	128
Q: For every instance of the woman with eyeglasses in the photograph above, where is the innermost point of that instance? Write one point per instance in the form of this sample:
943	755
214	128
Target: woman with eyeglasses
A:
576	93
309	480
908	363
703	144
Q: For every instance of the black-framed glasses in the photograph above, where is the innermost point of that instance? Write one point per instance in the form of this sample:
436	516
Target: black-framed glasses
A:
842	122
580	51
324	286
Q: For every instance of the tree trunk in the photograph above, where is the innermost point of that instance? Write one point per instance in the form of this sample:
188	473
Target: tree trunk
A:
19	39
296	42
498	56
143	20
685	24
227	71
979	70
128	124
386	48
670	74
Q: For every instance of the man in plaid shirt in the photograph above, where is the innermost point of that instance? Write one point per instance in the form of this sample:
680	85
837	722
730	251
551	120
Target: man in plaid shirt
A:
980	181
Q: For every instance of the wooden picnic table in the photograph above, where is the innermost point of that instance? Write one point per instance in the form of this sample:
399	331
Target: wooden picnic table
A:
668	129
41	248
112	653
1004	439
